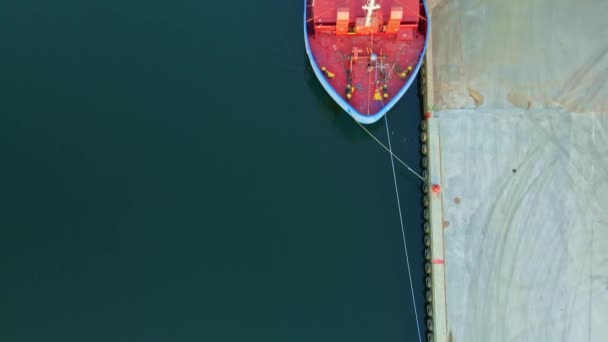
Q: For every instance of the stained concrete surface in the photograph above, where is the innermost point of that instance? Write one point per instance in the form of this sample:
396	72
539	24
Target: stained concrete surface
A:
526	197
520	97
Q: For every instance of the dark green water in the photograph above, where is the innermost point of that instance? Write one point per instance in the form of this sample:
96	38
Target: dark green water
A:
174	172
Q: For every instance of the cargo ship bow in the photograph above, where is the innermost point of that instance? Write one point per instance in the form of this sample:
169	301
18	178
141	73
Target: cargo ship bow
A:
365	53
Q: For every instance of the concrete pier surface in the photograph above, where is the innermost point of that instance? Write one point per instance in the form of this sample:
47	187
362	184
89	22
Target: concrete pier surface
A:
518	92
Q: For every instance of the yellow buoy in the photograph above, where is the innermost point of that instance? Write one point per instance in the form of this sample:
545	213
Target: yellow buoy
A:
348	96
330	74
403	74
409	68
386	95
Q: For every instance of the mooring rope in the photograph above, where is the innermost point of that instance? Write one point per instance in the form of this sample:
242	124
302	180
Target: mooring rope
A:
389	149
407	259
392	154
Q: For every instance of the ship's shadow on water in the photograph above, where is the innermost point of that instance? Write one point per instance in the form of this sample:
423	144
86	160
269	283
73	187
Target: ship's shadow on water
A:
335	114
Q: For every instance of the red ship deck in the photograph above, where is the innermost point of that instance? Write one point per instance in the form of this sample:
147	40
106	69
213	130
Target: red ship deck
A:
366	69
